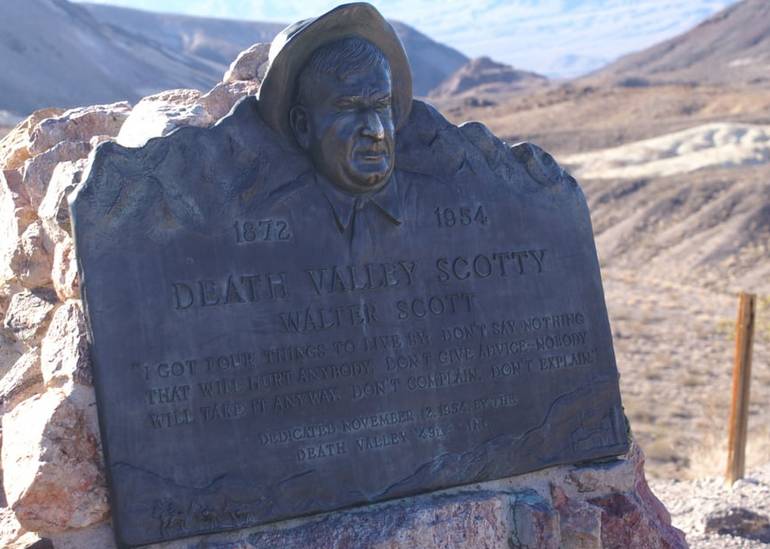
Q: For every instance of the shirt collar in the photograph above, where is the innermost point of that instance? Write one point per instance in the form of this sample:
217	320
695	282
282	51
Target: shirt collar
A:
344	204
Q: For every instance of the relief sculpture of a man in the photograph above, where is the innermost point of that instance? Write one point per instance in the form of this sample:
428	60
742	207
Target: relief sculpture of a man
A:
339	87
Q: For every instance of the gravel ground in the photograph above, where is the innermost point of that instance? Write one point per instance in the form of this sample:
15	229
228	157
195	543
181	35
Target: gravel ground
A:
703	507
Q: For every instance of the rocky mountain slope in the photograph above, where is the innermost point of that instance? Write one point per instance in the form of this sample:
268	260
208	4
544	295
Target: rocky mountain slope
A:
57	53
215	40
54	53
483	75
731	47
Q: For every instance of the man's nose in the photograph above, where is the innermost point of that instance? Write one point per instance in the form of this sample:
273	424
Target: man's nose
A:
373	126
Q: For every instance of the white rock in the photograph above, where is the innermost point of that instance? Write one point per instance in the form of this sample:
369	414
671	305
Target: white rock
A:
250	64
10	351
10	529
79	124
15	216
223	96
22	381
28	315
14	147
53	210
161	113
38	170
99	139
64	273
32	259
12	190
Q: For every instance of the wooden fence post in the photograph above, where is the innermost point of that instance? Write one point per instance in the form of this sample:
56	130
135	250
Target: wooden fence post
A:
739	411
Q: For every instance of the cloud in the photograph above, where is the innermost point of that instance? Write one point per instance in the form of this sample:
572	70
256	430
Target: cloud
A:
557	37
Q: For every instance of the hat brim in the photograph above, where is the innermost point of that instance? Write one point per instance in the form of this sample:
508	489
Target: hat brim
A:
291	49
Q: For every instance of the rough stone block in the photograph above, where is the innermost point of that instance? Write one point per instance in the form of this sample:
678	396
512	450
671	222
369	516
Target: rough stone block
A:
28	313
628	523
250	64
22	381
10	529
14	198
64	273
64	350
38	170
31	260
580	522
14	147
54	210
617	475
79	124
52	467
223	96
15	217
535	523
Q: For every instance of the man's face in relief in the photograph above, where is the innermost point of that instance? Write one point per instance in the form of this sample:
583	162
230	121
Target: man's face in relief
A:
346	125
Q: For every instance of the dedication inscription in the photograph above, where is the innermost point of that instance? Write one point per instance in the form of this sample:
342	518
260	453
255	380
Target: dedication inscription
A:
334	297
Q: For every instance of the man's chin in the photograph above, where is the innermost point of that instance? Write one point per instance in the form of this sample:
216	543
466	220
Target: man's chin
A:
369	181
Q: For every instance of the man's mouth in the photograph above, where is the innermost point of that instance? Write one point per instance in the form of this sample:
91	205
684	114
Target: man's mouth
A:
371	155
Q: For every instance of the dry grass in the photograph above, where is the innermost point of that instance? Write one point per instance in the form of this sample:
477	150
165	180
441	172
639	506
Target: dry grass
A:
674	346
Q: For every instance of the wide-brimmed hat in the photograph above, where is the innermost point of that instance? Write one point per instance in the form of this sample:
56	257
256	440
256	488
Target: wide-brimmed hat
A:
291	49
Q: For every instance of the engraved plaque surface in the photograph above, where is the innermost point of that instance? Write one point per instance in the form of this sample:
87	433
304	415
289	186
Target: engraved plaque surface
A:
264	347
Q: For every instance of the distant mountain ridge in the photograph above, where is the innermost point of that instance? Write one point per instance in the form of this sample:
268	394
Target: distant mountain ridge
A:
57	53
482	74
731	47
221	40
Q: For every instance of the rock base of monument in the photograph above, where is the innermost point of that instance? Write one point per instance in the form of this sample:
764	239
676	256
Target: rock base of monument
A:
604	504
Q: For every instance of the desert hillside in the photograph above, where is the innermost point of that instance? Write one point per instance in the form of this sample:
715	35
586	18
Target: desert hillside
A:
732	47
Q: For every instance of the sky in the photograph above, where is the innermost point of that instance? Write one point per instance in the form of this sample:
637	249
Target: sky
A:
559	38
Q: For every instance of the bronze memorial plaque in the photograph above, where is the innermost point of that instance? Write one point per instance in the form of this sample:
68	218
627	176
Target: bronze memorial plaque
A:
333	297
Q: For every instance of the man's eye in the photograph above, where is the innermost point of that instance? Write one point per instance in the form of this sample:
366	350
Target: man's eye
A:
345	105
